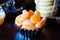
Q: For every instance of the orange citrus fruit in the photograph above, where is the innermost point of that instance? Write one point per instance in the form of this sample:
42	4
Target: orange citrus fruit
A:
31	13
41	23
28	25
36	17
18	20
24	11
25	14
21	18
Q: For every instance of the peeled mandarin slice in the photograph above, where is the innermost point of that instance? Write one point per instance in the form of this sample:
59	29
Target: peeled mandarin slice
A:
28	25
18	20
41	23
25	14
27	22
31	27
36	17
31	13
21	18
24	11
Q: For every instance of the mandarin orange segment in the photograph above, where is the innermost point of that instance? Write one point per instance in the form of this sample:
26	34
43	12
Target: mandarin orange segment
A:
31	13
28	25
24	11
41	23
18	20
25	14
21	18
27	22
36	17
31	27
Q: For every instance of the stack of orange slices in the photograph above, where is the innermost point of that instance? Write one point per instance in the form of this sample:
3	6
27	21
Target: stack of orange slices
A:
30	20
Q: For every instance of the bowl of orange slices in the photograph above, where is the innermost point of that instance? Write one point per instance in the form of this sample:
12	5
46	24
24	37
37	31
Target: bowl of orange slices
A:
30	20
30	23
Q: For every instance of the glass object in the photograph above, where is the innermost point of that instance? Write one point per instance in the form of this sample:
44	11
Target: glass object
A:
46	7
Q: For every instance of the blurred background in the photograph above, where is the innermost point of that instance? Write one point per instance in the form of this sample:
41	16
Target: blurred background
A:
18	5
